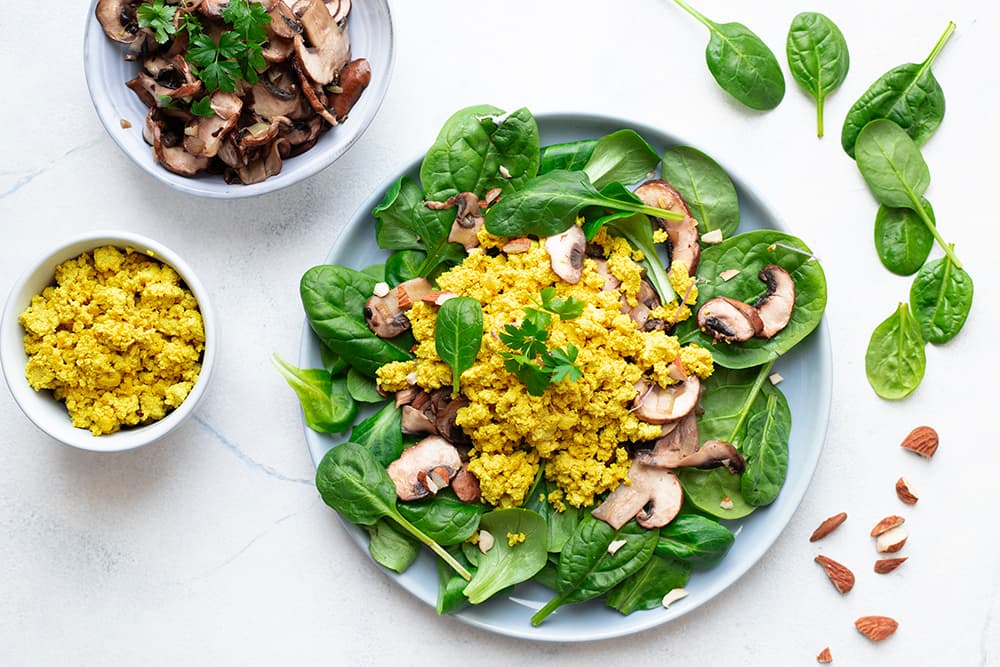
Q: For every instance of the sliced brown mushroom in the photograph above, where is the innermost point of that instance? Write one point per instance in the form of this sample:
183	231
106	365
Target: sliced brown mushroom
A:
566	253
673	447
284	23
776	305
610	281
328	48
169	153
659	405
654	497
468	218
728	319
265	163
466	485
385	314
203	136
118	20
424	468
714	454
353	80
416	422
683	234
444	421
647	300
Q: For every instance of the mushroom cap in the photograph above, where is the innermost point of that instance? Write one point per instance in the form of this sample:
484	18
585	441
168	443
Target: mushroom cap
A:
776	305
468	218
566	253
386	315
654	497
117	19
432	454
728	319
466	485
354	78
673	447
683	234
329	46
659	405
714	454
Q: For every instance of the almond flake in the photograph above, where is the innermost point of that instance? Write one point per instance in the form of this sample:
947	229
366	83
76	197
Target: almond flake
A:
828	526
504	171
485	541
775	378
904	492
840	576
381	289
887	565
726	503
615	546
876	628
887	524
922	440
825	656
729	274
714	236
125	124
673	595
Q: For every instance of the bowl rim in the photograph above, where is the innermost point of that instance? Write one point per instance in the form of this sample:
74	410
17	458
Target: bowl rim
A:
13	357
215	187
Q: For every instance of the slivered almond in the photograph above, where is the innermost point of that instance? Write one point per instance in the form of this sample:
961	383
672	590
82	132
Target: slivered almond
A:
672	596
887	565
714	236
905	493
828	526
876	628
825	656
403	298
840	576
922	440
729	274
518	245
891	540
887	524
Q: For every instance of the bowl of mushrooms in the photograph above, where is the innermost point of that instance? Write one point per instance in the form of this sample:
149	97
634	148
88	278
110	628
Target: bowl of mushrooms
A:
235	98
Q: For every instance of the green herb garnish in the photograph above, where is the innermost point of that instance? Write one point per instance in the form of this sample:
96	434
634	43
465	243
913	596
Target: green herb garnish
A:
238	54
567	308
159	17
531	361
203	107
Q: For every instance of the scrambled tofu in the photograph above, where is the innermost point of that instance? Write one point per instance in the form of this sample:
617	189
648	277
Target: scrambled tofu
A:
579	429
118	338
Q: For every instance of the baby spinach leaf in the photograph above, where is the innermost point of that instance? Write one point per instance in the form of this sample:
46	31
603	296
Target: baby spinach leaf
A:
645	589
764	444
895	360
362	388
391	547
902	240
443	517
817	57
376	271
505	565
750	252
572	156
451	587
334	301
908	95
707	489
560	526
621	156
706	188
326	402
695	539
548	575
332	362
404	265
381	434
458	335
394	216
638	231
941	298
587	570
741	63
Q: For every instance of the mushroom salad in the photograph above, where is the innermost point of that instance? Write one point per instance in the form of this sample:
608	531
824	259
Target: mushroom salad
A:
570	363
237	87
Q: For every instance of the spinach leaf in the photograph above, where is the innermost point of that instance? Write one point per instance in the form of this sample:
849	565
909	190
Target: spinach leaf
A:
817	57
941	298
908	95
404	265
381	434
895	360
334	300
458	335
549	205
764	444
548	576
706	188
332	362
750	252
638	231
695	539
902	240
394	216
505	565
376	271
572	156
362	388
707	489
741	63
443	517
645	589
587	570
896	173
352	482
391	547
451	587
621	156
326	402
560	526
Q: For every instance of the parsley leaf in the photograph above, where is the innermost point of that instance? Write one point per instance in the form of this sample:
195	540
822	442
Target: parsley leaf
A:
562	364
528	338
567	308
531	360
159	17
239	53
534	378
203	107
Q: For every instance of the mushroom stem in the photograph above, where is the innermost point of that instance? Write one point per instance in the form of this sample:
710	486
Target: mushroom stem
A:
435	547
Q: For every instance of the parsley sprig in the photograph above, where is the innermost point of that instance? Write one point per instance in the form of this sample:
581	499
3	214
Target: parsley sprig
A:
531	361
159	17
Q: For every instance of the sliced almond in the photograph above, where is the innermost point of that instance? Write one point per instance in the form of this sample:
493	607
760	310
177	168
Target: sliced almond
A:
892	540
729	274
905	493
828	526
775	378
486	541
876	628
615	546
922	440
504	171
714	236
824	656
726	503
381	289
403	298
518	245
840	576
887	524
673	595
887	565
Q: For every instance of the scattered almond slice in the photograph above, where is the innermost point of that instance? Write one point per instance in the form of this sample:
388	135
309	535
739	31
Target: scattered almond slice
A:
504	171
887	524
922	440
673	595
714	236
381	289
615	546
876	628
486	541
825	656
891	540
726	503
828	526
887	565
775	378
905	493
729	274
840	576
125	124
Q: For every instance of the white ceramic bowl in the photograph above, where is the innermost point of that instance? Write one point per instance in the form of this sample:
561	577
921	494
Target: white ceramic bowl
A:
40	407
371	32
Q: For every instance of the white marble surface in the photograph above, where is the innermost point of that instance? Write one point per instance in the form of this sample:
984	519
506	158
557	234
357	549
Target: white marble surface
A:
212	547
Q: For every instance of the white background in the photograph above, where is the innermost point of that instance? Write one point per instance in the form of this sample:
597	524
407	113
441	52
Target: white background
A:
212	546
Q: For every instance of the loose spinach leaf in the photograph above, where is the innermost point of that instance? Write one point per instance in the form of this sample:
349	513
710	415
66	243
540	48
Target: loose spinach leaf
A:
404	265
908	95
902	240
572	155
326	402
505	565
363	388
458	335
645	589
764	444
621	156
750	252
695	539
394	216
391	547
817	57
560	526
587	570
741	63
381	434
941	298
706	188
896	360
451	587
353	483
334	300
443	517
333	363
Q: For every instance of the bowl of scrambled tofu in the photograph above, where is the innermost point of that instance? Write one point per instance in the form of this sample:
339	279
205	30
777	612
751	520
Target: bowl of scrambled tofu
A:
108	341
